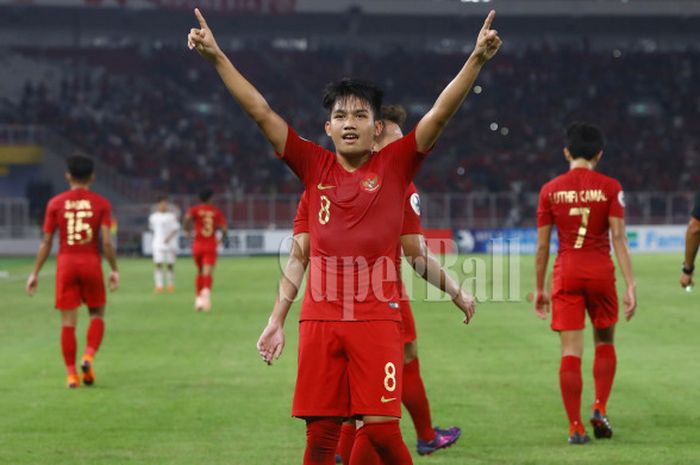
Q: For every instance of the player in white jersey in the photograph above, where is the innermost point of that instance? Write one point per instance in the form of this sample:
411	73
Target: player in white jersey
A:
165	227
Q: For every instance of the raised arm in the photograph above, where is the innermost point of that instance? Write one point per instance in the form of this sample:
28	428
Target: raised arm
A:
271	342
432	124
622	253
111	256
41	256
544	233
273	127
429	268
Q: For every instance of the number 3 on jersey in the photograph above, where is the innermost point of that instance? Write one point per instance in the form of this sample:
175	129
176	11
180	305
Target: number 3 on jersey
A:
584	212
324	214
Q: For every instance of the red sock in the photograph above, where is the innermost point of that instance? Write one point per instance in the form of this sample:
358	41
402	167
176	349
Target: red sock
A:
68	347
206	281
603	373
347	438
571	386
416	401
94	335
362	450
198	283
321	441
385	438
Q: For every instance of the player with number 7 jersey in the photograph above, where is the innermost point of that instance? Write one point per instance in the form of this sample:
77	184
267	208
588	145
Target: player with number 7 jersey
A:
585	206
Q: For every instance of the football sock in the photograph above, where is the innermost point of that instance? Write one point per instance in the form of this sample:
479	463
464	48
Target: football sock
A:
206	281
94	335
158	278
571	384
363	452
416	401
170	277
68	347
603	373
386	439
347	438
321	441
198	283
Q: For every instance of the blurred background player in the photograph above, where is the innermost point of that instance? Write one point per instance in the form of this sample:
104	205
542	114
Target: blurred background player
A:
206	220
692	241
585	206
82	218
414	398
165	227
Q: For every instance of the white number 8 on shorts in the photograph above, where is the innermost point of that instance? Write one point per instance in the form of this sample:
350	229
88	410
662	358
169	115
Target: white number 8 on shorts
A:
390	378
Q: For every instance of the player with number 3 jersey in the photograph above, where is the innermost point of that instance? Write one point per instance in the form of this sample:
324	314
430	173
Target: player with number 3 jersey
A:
586	207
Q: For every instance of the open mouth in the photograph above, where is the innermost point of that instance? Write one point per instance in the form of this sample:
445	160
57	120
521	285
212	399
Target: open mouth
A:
350	137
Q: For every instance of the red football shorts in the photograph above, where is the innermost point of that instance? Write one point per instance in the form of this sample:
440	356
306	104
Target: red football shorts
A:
571	297
349	368
408	324
79	279
203	255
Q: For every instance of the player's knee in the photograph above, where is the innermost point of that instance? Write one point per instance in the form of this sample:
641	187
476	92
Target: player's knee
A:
98	312
604	335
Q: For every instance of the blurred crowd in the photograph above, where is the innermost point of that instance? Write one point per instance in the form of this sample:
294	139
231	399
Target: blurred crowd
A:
163	115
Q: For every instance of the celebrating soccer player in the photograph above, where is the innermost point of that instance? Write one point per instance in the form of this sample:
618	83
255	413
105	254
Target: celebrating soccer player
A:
692	241
413	396
165	227
207	220
585	206
81	217
350	351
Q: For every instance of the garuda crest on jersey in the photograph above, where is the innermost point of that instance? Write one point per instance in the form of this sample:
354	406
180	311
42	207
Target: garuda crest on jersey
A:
371	182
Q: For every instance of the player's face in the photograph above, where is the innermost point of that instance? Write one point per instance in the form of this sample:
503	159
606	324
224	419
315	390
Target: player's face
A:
390	133
162	206
352	127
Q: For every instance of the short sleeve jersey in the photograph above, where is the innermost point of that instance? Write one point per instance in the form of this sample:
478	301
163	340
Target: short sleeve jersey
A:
207	218
354	221
163	224
696	209
78	215
579	204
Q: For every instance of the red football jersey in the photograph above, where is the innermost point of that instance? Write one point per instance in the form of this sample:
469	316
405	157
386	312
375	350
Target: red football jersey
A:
207	218
78	215
354	221
411	216
579	204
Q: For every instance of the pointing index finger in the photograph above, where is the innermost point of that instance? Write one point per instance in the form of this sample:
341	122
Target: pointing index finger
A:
487	21
200	18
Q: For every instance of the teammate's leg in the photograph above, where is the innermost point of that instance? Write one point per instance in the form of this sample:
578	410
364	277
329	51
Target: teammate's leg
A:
95	332
570	382
604	366
69	319
384	434
347	439
158	277
322	434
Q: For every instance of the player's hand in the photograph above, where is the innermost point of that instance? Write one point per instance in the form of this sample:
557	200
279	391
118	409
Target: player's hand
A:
630	302
113	281
465	302
202	39
271	342
686	280
32	284
487	42
542	302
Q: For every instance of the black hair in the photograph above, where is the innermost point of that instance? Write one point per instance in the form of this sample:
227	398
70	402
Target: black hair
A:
80	167
395	114
206	194
358	88
584	140
161	198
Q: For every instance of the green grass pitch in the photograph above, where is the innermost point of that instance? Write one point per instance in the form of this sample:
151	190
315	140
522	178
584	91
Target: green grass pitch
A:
177	387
